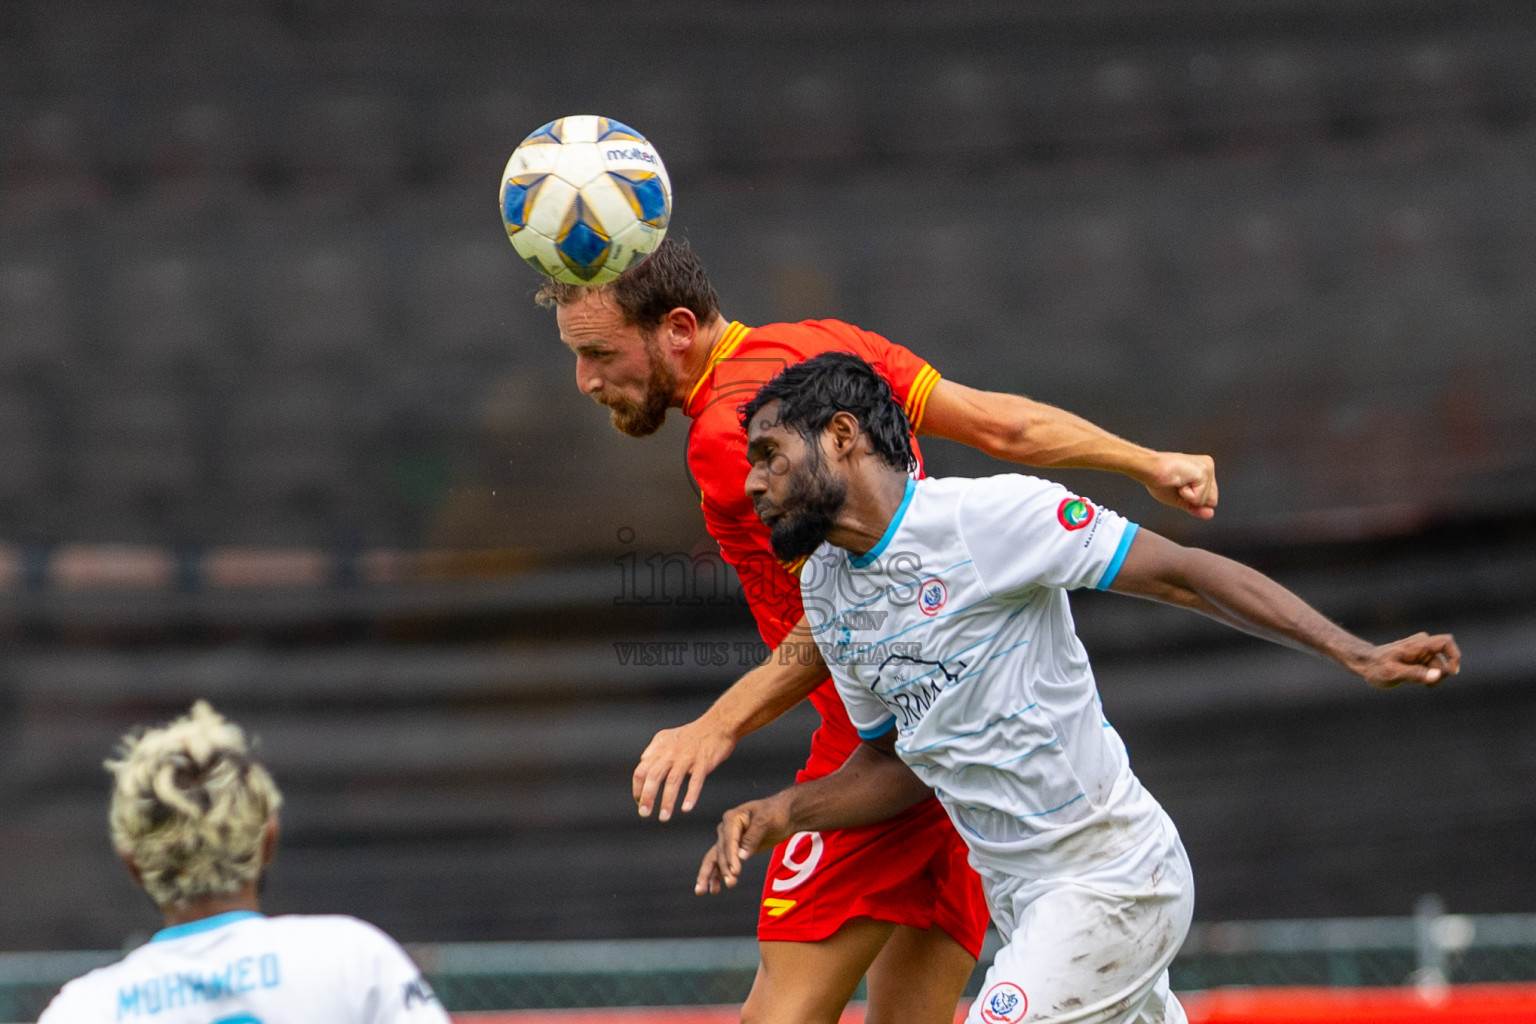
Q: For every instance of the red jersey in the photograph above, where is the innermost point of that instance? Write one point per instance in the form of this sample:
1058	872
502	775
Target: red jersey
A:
743	361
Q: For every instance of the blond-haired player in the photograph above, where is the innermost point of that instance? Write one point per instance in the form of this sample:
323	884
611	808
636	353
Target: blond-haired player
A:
194	817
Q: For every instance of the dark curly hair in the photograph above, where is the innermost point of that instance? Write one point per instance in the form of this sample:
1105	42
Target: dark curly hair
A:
811	393
669	278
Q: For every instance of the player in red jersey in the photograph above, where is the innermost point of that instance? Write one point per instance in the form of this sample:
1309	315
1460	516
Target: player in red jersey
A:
896	901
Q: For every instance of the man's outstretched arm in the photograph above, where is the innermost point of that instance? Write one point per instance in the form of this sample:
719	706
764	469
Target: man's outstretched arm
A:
1246	599
1022	430
694	750
872	785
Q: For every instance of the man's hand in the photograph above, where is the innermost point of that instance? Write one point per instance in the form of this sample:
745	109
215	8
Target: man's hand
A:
690	751
1420	658
873	784
786	677
1184	481
743	831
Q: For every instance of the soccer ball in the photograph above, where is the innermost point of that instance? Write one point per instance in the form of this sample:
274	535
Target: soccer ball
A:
585	198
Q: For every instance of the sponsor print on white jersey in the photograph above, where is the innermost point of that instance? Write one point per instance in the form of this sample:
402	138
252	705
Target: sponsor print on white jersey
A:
244	968
955	630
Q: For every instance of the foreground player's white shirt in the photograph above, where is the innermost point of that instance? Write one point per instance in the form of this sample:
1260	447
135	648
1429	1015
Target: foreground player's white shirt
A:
243	968
955	630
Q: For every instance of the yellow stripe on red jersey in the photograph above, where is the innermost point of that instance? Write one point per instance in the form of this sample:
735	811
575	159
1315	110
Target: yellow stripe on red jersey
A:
735	332
917	398
793	568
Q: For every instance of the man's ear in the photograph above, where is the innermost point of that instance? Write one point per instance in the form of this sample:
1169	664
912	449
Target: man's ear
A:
844	433
677	330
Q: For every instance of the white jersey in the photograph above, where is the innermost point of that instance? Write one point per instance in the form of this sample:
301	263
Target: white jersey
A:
244	968
955	631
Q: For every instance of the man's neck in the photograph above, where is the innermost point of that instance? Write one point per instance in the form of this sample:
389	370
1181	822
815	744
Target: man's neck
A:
873	499
213	906
696	361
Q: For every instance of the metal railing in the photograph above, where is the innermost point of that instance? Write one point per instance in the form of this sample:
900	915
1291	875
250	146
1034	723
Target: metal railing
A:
1430	949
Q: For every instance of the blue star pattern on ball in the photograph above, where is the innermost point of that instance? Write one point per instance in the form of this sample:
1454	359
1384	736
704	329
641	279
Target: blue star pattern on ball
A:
549	133
646	194
583	244
515	199
608	130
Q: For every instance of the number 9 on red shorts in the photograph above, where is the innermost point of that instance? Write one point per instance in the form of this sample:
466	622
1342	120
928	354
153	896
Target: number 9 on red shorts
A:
910	870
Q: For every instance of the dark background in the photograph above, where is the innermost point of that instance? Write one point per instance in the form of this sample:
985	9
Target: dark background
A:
280	425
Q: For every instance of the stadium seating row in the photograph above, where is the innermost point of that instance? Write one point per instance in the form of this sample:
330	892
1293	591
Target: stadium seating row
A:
479	787
168	380
290	287
269	118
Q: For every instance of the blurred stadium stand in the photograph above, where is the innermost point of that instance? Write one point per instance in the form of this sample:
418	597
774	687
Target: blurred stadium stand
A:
282	427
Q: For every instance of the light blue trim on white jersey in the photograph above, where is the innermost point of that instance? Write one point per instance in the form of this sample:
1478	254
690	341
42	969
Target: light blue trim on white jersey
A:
975	732
879	730
917	679
862	561
1113	568
206	924
884	591
1031	752
989	657
918	625
1020	817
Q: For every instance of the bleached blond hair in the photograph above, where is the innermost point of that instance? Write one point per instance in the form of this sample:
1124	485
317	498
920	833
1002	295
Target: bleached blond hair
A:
190	807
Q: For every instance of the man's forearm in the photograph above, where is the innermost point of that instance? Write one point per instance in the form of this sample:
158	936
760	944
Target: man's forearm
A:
1256	604
1022	430
1235	594
790	674
1055	438
756	699
872	785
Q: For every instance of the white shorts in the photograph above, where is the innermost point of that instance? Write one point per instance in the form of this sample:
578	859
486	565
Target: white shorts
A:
1094	948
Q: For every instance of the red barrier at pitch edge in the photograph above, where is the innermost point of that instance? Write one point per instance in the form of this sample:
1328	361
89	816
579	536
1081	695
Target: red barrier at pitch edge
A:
1461	1004
668	1015
660	1015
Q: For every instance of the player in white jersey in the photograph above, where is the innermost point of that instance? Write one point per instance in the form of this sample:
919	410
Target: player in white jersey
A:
940	608
194	817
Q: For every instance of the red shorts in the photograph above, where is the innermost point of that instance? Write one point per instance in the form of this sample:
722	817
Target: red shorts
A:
911	869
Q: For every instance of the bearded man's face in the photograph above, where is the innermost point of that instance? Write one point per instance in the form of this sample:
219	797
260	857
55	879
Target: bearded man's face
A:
618	364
